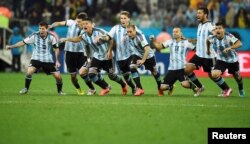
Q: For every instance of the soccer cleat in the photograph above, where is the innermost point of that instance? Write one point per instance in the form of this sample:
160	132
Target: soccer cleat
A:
91	92
242	93
198	91
171	90
139	92
221	94
105	91
23	91
124	90
61	93
160	92
227	92
80	91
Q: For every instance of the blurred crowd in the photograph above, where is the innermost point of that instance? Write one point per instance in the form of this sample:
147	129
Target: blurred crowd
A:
145	13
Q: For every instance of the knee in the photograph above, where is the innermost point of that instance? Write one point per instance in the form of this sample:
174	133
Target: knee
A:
133	67
83	71
164	87
185	84
189	68
215	74
112	76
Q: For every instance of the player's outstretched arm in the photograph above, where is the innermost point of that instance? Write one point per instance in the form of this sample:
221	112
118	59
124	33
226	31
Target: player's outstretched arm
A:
56	24
17	45
155	44
72	39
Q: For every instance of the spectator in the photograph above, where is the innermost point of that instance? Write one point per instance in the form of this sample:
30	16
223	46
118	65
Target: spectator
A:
230	16
16	52
241	20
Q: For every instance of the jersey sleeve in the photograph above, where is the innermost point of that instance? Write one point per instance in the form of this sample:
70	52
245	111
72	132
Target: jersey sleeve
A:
69	22
211	28
30	39
189	45
210	38
112	32
166	43
232	38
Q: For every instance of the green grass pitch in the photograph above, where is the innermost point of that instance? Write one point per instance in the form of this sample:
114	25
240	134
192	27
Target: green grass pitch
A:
43	117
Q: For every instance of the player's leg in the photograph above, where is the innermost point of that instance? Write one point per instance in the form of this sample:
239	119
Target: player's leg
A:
34	65
108	66
216	73
136	76
95	76
193	64
84	75
168	82
234	69
150	64
71	59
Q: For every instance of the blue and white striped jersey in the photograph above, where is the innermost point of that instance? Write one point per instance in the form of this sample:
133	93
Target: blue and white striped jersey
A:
74	31
220	45
123	48
42	47
178	53
139	42
204	30
99	49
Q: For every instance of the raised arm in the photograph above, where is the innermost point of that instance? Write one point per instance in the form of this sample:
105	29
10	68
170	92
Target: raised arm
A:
56	24
155	44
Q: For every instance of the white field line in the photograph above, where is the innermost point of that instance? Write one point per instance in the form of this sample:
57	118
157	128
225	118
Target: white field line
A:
130	103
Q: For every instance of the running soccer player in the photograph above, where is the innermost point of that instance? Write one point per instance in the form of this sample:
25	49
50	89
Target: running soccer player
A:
123	48
42	56
227	58
144	55
75	54
201	58
102	56
178	52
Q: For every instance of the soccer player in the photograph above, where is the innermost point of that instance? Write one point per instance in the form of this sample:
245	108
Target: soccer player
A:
42	56
178	51
144	55
201	58
102	56
227	58
75	53
123	48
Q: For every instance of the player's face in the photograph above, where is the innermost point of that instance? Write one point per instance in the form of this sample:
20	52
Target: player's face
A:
88	26
200	15
131	32
219	30
177	33
79	23
124	20
43	31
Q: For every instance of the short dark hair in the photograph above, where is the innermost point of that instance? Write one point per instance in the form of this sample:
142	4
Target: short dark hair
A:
126	13
131	26
88	19
82	15
205	10
220	23
43	24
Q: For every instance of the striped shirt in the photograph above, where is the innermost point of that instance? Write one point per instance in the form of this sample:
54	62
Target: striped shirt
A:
42	47
99	49
123	48
139	42
178	53
74	31
204	30
219	45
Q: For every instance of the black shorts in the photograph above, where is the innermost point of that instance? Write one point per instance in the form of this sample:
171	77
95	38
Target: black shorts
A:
106	65
124	65
48	68
222	66
174	75
150	64
206	63
75	60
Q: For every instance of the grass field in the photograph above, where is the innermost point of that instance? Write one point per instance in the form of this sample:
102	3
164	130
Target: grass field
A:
43	117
